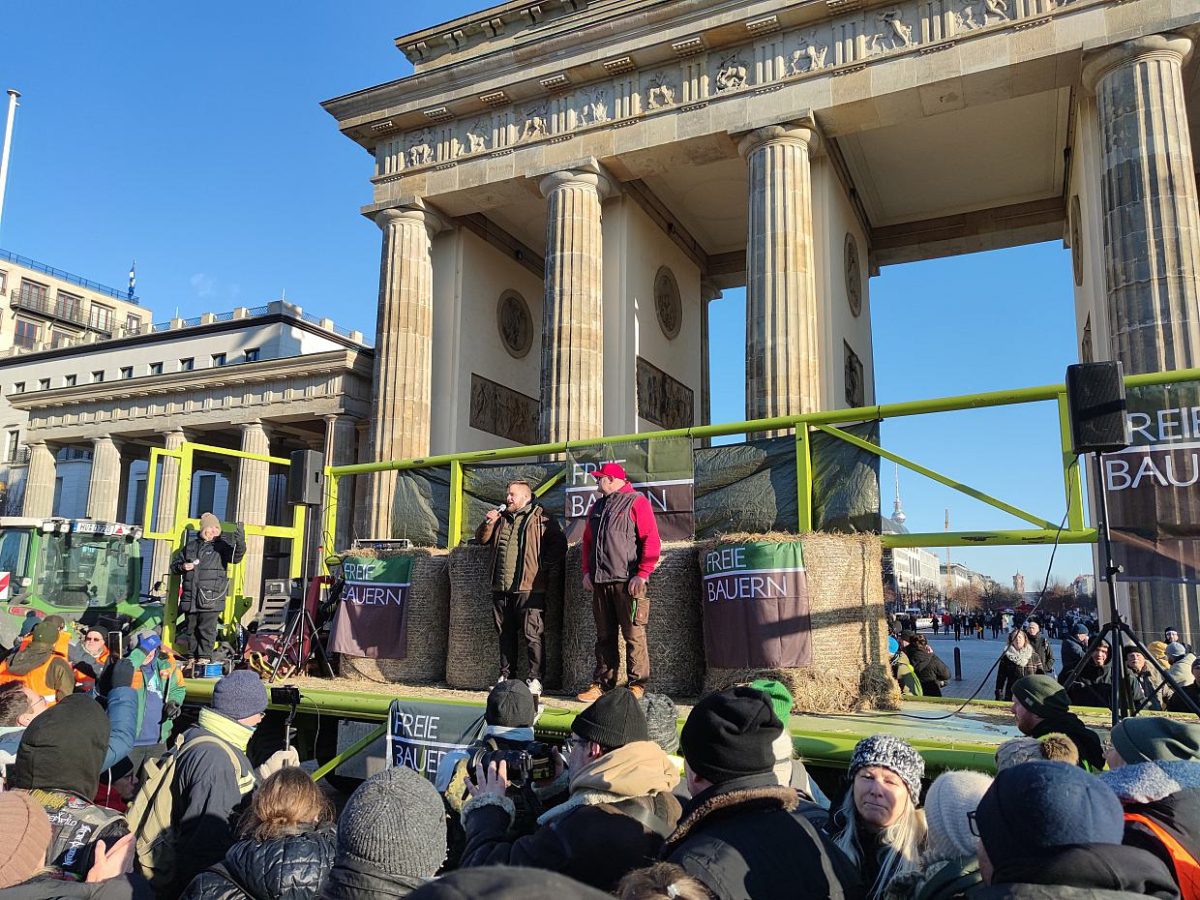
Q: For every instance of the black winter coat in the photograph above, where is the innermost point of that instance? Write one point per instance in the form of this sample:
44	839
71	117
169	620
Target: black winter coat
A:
930	670
1086	741
203	589
1043	648
597	845
286	868
751	838
1083	872
1073	650
1167	794
1009	673
126	887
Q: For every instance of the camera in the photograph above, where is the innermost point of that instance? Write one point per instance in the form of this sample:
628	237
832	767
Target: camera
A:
533	763
288	695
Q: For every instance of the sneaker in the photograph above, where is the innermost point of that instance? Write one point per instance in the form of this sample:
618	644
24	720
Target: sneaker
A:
535	687
638	691
591	695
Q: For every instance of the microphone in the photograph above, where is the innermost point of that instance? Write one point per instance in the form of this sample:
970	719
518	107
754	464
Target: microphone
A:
502	508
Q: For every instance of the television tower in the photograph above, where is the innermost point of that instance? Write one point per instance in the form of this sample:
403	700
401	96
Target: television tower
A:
898	515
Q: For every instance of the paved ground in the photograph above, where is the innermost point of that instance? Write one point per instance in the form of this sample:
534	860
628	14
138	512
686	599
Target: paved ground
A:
977	658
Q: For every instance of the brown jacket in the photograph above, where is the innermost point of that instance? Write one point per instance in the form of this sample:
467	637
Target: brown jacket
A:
543	546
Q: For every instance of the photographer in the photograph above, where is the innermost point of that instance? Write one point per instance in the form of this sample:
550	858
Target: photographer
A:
202	562
508	732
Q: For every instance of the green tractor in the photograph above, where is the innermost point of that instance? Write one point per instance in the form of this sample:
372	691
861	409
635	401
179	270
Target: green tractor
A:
83	570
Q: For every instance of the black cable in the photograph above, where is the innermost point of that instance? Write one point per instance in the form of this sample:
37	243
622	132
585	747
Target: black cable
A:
1041	597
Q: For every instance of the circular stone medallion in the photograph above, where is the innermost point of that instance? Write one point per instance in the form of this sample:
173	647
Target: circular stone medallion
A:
1076	241
853	276
667	303
515	324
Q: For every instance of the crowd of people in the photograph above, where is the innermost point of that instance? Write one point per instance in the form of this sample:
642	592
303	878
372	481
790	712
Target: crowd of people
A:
634	807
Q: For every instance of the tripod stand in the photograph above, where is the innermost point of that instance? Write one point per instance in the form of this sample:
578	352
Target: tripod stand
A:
301	632
1120	634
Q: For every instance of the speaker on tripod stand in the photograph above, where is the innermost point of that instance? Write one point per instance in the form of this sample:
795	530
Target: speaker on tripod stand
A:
1097	404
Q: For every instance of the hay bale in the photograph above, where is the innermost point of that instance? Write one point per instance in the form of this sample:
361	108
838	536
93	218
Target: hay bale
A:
428	624
673	632
849	633
473	662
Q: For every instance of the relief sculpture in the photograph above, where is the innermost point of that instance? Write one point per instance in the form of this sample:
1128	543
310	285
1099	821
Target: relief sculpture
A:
500	410
661	93
420	151
732	75
595	108
477	138
663	400
535	123
808	57
896	35
995	9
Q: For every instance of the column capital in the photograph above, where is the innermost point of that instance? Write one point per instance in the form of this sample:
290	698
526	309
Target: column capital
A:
592	176
709	290
416	211
1175	47
801	133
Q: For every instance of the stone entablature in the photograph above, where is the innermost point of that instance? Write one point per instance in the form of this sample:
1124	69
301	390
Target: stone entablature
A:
722	62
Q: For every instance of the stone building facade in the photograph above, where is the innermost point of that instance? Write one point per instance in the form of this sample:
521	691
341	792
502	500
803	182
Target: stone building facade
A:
570	151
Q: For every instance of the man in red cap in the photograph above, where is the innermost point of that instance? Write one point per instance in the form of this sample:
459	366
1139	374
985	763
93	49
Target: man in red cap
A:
620	549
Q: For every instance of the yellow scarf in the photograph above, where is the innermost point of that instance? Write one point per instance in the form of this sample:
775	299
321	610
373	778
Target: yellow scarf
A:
225	728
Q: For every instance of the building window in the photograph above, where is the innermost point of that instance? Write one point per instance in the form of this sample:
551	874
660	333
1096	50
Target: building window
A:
218	359
69	380
101	318
32	295
133	325
252	354
156	368
18	387
3	281
26	334
97	376
43	384
126	371
13	449
68	307
187	364
58	338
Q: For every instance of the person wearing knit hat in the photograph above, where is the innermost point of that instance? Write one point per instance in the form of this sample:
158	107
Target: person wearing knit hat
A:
662	721
1041	707
1054	747
1179	663
1153	739
39	667
1055	826
391	838
789	769
619	808
213	775
741	827
1179	699
202	562
878	825
1074	648
26	831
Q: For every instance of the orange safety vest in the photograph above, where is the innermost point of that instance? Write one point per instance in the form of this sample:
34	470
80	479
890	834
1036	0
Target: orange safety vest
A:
35	680
1187	869
62	643
85	682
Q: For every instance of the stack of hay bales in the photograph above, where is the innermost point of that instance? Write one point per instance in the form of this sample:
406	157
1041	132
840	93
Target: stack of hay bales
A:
474	660
674	632
849	668
428	624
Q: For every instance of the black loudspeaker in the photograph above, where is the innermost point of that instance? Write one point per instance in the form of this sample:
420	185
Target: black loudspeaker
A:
1096	400
305	477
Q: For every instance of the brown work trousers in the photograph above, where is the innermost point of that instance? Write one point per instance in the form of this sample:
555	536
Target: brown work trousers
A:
613	609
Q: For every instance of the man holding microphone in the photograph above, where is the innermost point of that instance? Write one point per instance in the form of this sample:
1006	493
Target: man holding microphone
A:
525	542
620	549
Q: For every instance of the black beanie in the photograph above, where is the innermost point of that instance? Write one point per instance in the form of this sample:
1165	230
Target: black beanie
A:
510	705
613	721
63	749
729	735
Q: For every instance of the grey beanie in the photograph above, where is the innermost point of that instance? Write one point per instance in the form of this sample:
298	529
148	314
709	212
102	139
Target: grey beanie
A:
890	753
1176	651
394	823
662	721
240	695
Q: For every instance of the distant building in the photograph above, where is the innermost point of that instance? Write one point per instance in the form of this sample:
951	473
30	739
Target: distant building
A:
1019	583
1084	585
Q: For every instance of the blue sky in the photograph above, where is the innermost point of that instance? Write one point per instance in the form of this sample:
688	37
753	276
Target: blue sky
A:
190	137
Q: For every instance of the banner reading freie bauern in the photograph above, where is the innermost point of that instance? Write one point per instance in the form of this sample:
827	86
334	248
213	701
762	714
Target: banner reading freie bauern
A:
372	617
420	733
662	470
756	608
1153	487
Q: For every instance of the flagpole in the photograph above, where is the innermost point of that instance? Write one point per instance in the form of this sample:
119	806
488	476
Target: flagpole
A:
8	130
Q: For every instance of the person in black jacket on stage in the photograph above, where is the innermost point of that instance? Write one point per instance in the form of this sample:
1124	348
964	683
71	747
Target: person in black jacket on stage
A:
203	564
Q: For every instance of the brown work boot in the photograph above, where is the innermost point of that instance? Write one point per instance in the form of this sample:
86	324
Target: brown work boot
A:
638	691
591	695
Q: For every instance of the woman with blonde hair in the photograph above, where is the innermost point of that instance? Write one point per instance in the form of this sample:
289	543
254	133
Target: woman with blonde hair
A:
878	825
287	845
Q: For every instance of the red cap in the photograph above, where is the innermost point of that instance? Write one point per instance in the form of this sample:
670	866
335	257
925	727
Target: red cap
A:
612	470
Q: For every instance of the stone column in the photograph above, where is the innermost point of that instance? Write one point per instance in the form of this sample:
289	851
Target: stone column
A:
250	503
403	350
1151	234
164	519
573	312
341	449
708	293
104	488
39	481
783	369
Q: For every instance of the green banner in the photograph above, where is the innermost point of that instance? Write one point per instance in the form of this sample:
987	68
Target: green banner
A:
756	609
372	617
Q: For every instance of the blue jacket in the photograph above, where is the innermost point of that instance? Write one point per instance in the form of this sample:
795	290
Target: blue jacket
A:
123	723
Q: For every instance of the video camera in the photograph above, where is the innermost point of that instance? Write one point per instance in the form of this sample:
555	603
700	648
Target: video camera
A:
533	763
